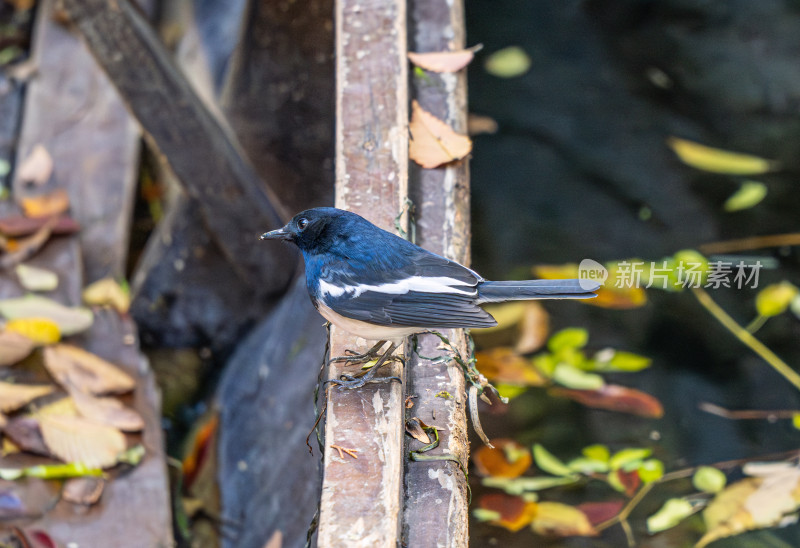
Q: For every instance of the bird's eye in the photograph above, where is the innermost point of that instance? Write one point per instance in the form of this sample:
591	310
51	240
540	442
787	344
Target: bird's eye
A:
302	223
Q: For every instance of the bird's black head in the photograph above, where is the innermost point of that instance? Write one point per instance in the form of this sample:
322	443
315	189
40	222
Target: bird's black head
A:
314	229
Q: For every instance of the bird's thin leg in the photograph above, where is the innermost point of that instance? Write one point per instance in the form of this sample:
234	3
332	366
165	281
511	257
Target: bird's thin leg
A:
370	354
349	381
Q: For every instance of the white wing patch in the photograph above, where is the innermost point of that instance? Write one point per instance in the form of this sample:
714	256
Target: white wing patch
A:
415	283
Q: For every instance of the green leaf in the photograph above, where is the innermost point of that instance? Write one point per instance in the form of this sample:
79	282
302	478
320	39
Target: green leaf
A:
628	458
775	299
671	514
510	391
571	337
651	470
587	466
572	377
518	486
549	463
617	360
482	514
796	420
545	364
597	451
508	62
708	479
750	193
51	471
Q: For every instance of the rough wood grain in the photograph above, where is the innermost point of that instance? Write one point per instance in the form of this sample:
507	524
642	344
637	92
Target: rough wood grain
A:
74	112
234	203
436	501
361	498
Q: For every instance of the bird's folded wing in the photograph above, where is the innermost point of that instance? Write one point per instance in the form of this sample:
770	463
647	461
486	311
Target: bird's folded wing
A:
412	309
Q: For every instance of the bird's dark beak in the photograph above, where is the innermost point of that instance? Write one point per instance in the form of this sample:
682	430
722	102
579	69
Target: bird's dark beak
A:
280	234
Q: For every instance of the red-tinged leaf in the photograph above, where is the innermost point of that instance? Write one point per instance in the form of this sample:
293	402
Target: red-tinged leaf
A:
18	226
18	251
515	513
202	447
443	61
433	142
616	398
42	539
507	459
625	482
598	512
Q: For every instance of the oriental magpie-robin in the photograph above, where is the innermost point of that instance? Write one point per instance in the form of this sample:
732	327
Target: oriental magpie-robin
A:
378	286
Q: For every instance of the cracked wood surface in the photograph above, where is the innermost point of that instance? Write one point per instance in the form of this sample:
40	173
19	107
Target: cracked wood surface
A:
436	501
361	498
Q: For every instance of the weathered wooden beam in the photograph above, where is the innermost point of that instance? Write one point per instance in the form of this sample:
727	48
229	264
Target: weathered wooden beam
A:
236	206
436	501
361	498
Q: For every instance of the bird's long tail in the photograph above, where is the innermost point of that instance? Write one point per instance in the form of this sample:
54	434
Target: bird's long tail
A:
493	292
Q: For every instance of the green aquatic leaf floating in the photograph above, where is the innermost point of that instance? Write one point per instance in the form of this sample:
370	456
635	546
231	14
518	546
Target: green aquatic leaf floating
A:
571	337
548	462
708	479
572	377
774	299
671	514
508	62
750	193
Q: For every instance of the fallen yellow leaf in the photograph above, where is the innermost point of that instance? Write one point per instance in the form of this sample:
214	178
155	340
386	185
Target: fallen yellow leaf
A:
107	292
433	142
39	330
46	205
560	520
13	396
717	160
73	366
75	439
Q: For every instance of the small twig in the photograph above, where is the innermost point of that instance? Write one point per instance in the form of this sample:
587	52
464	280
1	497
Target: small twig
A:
747	338
342	450
753	242
748	413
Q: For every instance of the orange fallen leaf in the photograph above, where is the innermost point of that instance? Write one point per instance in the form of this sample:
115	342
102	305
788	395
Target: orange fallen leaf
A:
46	205
108	411
559	520
503	365
513	512
444	61
14	347
433	142
71	365
37	167
202	448
616	398
13	396
507	459
75	439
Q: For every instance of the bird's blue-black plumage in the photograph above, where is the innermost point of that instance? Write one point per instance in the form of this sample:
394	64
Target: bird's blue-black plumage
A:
369	275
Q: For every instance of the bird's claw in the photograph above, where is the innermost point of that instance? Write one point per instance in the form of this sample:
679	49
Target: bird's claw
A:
350	382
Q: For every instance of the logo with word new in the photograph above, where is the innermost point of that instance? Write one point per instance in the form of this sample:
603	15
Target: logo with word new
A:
591	273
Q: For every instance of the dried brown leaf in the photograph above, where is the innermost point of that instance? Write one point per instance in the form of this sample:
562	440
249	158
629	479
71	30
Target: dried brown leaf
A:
444	61
615	398
481	125
109	411
73	366
36	168
414	428
513	512
433	142
75	439
13	396
14	347
85	491
25	434
533	329
25	248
